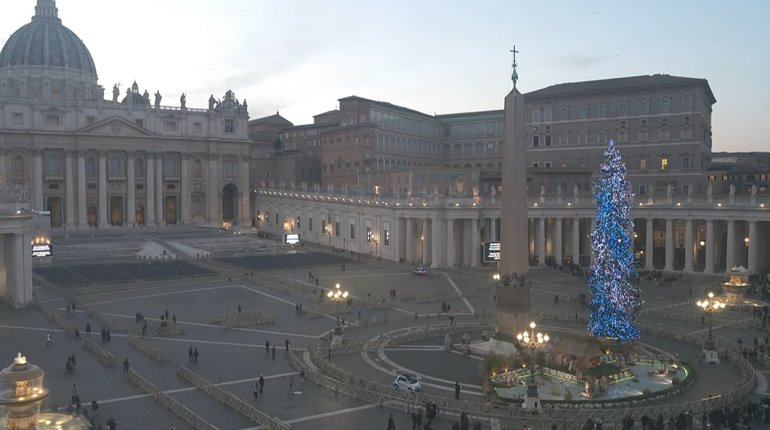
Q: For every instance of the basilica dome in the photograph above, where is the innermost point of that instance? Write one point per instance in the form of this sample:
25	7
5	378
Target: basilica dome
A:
45	42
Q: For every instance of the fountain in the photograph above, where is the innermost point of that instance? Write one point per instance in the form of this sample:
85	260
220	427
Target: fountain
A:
736	285
22	394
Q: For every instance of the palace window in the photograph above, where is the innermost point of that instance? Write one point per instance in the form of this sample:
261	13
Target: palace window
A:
170	125
116	166
687	104
197	168
564	113
602	110
53	165
18	166
686	163
643	165
90	168
665	105
583	111
229	126
169	168
644	107
52	119
623	108
139	168
664	163
536	115
229	167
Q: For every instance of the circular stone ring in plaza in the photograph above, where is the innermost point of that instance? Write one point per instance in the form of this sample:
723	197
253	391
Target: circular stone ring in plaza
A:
613	408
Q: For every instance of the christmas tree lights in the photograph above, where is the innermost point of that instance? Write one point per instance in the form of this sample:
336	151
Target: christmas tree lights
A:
615	301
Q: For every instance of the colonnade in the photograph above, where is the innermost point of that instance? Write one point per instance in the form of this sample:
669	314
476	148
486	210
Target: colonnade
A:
448	233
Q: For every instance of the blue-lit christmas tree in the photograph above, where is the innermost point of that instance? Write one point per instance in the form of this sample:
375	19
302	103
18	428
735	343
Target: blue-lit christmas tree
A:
615	301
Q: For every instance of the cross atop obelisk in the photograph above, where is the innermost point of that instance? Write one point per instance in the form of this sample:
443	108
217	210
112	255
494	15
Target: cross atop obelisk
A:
514	75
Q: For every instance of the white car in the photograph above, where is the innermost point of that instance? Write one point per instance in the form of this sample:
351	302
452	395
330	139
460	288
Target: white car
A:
407	382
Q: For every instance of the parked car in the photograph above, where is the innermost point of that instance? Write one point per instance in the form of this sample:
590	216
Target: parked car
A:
407	382
420	270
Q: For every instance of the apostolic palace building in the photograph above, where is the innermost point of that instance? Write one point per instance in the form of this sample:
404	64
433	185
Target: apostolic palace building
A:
373	177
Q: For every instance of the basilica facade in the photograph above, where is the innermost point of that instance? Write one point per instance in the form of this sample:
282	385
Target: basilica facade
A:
103	162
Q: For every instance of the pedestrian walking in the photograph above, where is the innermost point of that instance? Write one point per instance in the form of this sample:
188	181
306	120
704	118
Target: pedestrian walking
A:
173	318
239	309
195	355
166	313
126	366
287	345
77	334
267	347
457	390
48	340
391	424
88	330
291	384
261	383
273	352
255	390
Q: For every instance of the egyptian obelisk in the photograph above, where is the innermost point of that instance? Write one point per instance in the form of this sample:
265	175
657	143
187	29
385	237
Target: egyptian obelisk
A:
513	303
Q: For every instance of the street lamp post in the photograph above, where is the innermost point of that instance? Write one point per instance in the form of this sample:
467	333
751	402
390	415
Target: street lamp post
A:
337	296
533	341
709	306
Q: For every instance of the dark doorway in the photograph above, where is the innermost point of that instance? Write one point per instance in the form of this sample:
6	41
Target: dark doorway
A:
92	216
116	210
229	202
54	206
171	210
140	215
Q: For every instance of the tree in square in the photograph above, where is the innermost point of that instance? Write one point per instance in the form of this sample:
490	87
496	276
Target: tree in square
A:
615	300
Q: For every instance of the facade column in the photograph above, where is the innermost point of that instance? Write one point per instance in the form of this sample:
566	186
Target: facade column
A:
730	246
540	241
451	247
102	210
688	246
69	188
436	225
37	181
466	240
649	244
159	215
753	247
409	240
475	242
557	241
130	190
245	214
576	241
82	204
427	241
212	197
185	204
710	246
149	185
669	245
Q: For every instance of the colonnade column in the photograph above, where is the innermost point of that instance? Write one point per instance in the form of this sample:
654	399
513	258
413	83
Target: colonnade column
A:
159	218
753	248
131	191
669	245
149	185
475	242
540	241
37	180
102	210
688	246
576	241
649	244
730	245
493	229
409	240
557	240
451	249
427	240
185	184
82	205
709	265
436	225
69	189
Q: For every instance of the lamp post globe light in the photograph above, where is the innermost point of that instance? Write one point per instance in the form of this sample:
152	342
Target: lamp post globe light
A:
710	305
337	295
533	341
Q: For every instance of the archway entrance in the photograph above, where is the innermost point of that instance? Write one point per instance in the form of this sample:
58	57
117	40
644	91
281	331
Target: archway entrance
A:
171	212
54	206
229	202
116	210
92	216
140	215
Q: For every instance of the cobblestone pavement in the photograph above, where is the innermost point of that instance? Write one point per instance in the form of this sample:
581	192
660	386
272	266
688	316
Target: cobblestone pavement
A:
234	358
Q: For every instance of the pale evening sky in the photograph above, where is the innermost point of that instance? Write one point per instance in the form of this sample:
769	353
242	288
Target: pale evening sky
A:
433	56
